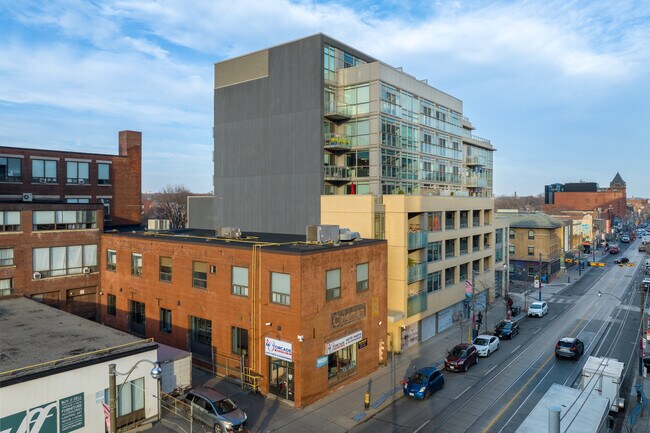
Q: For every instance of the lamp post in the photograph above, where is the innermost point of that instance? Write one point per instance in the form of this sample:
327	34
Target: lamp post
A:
506	298
540	277
114	393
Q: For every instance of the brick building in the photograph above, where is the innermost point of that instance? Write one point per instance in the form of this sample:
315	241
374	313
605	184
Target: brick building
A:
305	317
588	197
53	208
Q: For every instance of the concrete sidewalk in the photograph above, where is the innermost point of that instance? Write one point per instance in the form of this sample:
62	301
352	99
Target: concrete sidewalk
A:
344	408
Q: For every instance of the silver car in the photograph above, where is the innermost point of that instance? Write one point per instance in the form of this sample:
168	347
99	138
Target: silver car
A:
216	410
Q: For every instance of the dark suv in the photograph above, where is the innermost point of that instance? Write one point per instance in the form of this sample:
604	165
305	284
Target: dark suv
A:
461	357
216	410
506	329
569	347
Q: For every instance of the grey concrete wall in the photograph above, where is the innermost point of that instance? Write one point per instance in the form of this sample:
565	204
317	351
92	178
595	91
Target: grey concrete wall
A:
201	212
268	143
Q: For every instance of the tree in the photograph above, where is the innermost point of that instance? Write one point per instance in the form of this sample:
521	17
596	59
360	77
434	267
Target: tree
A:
170	204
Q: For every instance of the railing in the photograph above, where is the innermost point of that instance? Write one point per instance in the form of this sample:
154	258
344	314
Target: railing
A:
417	239
337	111
417	272
474	160
475	137
337	142
416	303
476	182
335	172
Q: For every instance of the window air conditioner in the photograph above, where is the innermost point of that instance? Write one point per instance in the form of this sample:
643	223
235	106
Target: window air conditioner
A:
37	275
86	270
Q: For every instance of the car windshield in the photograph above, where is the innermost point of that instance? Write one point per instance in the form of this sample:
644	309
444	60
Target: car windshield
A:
418	378
566	344
536	306
505	326
224	406
457	351
481	341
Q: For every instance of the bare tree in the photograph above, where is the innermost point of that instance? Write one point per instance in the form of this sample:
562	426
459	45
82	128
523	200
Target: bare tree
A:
170	204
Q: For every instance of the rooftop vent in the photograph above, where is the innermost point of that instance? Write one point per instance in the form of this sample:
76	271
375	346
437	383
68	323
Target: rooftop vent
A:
158	225
323	233
346	235
229	232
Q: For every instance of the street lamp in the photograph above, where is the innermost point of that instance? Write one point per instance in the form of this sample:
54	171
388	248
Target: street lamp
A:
114	393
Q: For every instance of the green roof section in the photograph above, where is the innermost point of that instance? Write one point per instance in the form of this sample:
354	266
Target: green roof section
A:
534	220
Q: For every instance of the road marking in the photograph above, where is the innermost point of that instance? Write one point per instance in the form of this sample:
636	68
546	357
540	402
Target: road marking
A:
490	370
537	330
553	317
421	427
459	395
516	349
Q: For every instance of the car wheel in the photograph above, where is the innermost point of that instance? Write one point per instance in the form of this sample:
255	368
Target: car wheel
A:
466	367
218	428
476	360
442	385
427	394
489	353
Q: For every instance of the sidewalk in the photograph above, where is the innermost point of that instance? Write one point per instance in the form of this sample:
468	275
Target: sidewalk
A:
637	416
344	408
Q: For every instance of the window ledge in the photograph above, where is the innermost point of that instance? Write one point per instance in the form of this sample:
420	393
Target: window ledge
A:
46	183
12	233
104	184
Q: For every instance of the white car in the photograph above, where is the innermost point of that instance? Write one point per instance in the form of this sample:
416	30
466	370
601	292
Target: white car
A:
538	309
646	283
486	344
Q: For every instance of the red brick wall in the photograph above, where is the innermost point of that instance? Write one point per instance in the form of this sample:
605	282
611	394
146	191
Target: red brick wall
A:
127	197
591	201
308	315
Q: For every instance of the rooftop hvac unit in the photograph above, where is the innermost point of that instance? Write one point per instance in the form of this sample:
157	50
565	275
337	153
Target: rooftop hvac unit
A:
346	235
158	225
28	196
229	232
323	233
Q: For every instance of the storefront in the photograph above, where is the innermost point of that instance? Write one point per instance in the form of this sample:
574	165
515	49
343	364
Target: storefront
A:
281	367
451	315
410	335
342	357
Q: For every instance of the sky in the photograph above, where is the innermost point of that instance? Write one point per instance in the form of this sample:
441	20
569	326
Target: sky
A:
561	88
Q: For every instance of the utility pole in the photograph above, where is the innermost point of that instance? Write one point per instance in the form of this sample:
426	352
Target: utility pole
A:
540	277
473	304
579	259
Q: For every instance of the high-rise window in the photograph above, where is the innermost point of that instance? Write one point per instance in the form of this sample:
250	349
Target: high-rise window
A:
68	260
43	171
77	172
64	219
11	169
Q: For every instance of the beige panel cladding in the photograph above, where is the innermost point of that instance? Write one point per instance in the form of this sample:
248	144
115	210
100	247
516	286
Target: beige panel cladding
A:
387	74
241	69
355	212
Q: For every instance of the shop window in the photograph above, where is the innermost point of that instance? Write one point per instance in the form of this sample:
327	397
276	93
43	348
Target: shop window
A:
362	277
341	364
200	275
166	269
333	281
280	288
165	321
239	340
111	305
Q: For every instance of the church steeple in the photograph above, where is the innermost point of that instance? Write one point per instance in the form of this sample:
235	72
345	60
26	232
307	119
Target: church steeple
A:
617	182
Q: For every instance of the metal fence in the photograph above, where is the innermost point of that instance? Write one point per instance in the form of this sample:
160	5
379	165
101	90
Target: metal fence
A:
176	414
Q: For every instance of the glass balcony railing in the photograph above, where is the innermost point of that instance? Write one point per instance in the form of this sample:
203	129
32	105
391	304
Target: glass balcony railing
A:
337	112
475	182
336	173
417	272
337	142
416	303
417	239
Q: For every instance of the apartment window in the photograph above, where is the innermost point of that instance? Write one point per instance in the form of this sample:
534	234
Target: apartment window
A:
77	172
531	251
103	174
434	282
10	169
166	269
6	286
511	234
450	277
476	218
280	288
43	171
434	221
239	340
136	264
239	281
531	235
450	248
165	321
450	220
68	260
130	398
434	251
362	277
111	260
511	250
201	336
200	275
6	257
463	272
64	219
9	221
333	281
464	215
111	305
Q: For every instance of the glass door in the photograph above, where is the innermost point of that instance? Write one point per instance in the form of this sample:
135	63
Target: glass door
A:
281	378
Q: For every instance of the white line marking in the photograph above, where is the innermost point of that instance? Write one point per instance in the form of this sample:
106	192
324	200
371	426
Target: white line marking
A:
537	330
421	427
516	349
459	395
490	370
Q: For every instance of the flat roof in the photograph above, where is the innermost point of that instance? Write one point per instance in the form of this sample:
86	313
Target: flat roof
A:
35	335
279	242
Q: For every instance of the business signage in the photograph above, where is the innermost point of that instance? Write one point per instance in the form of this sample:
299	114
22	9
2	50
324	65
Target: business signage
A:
321	362
278	349
363	343
62	416
340	343
348	315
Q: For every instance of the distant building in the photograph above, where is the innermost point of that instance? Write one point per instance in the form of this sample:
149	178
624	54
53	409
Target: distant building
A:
586	196
54	371
305	317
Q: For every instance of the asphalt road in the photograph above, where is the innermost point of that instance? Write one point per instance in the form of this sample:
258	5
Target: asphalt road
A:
497	394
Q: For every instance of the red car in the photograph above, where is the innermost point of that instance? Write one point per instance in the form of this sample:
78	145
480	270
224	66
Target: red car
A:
461	357
614	249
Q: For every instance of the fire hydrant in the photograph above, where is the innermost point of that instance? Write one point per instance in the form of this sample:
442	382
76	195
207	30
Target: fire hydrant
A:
366	400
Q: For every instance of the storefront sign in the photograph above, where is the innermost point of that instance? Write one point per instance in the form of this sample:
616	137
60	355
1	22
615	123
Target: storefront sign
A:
335	345
363	343
71	413
349	315
278	349
321	362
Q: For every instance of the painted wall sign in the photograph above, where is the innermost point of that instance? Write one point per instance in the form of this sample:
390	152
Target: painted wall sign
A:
348	315
278	349
45	419
321	362
363	343
375	306
340	343
71	413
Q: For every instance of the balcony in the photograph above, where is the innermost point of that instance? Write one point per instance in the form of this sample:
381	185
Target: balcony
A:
417	303
474	160
336	174
337	112
470	136
337	143
417	240
475	182
417	272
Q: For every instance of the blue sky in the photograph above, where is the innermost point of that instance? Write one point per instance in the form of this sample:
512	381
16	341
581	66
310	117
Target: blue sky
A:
561	88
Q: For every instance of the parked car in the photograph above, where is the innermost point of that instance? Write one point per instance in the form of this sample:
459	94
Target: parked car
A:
569	347
461	357
424	382
646	363
216	410
621	260
646	283
506	329
486	344
538	309
614	249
